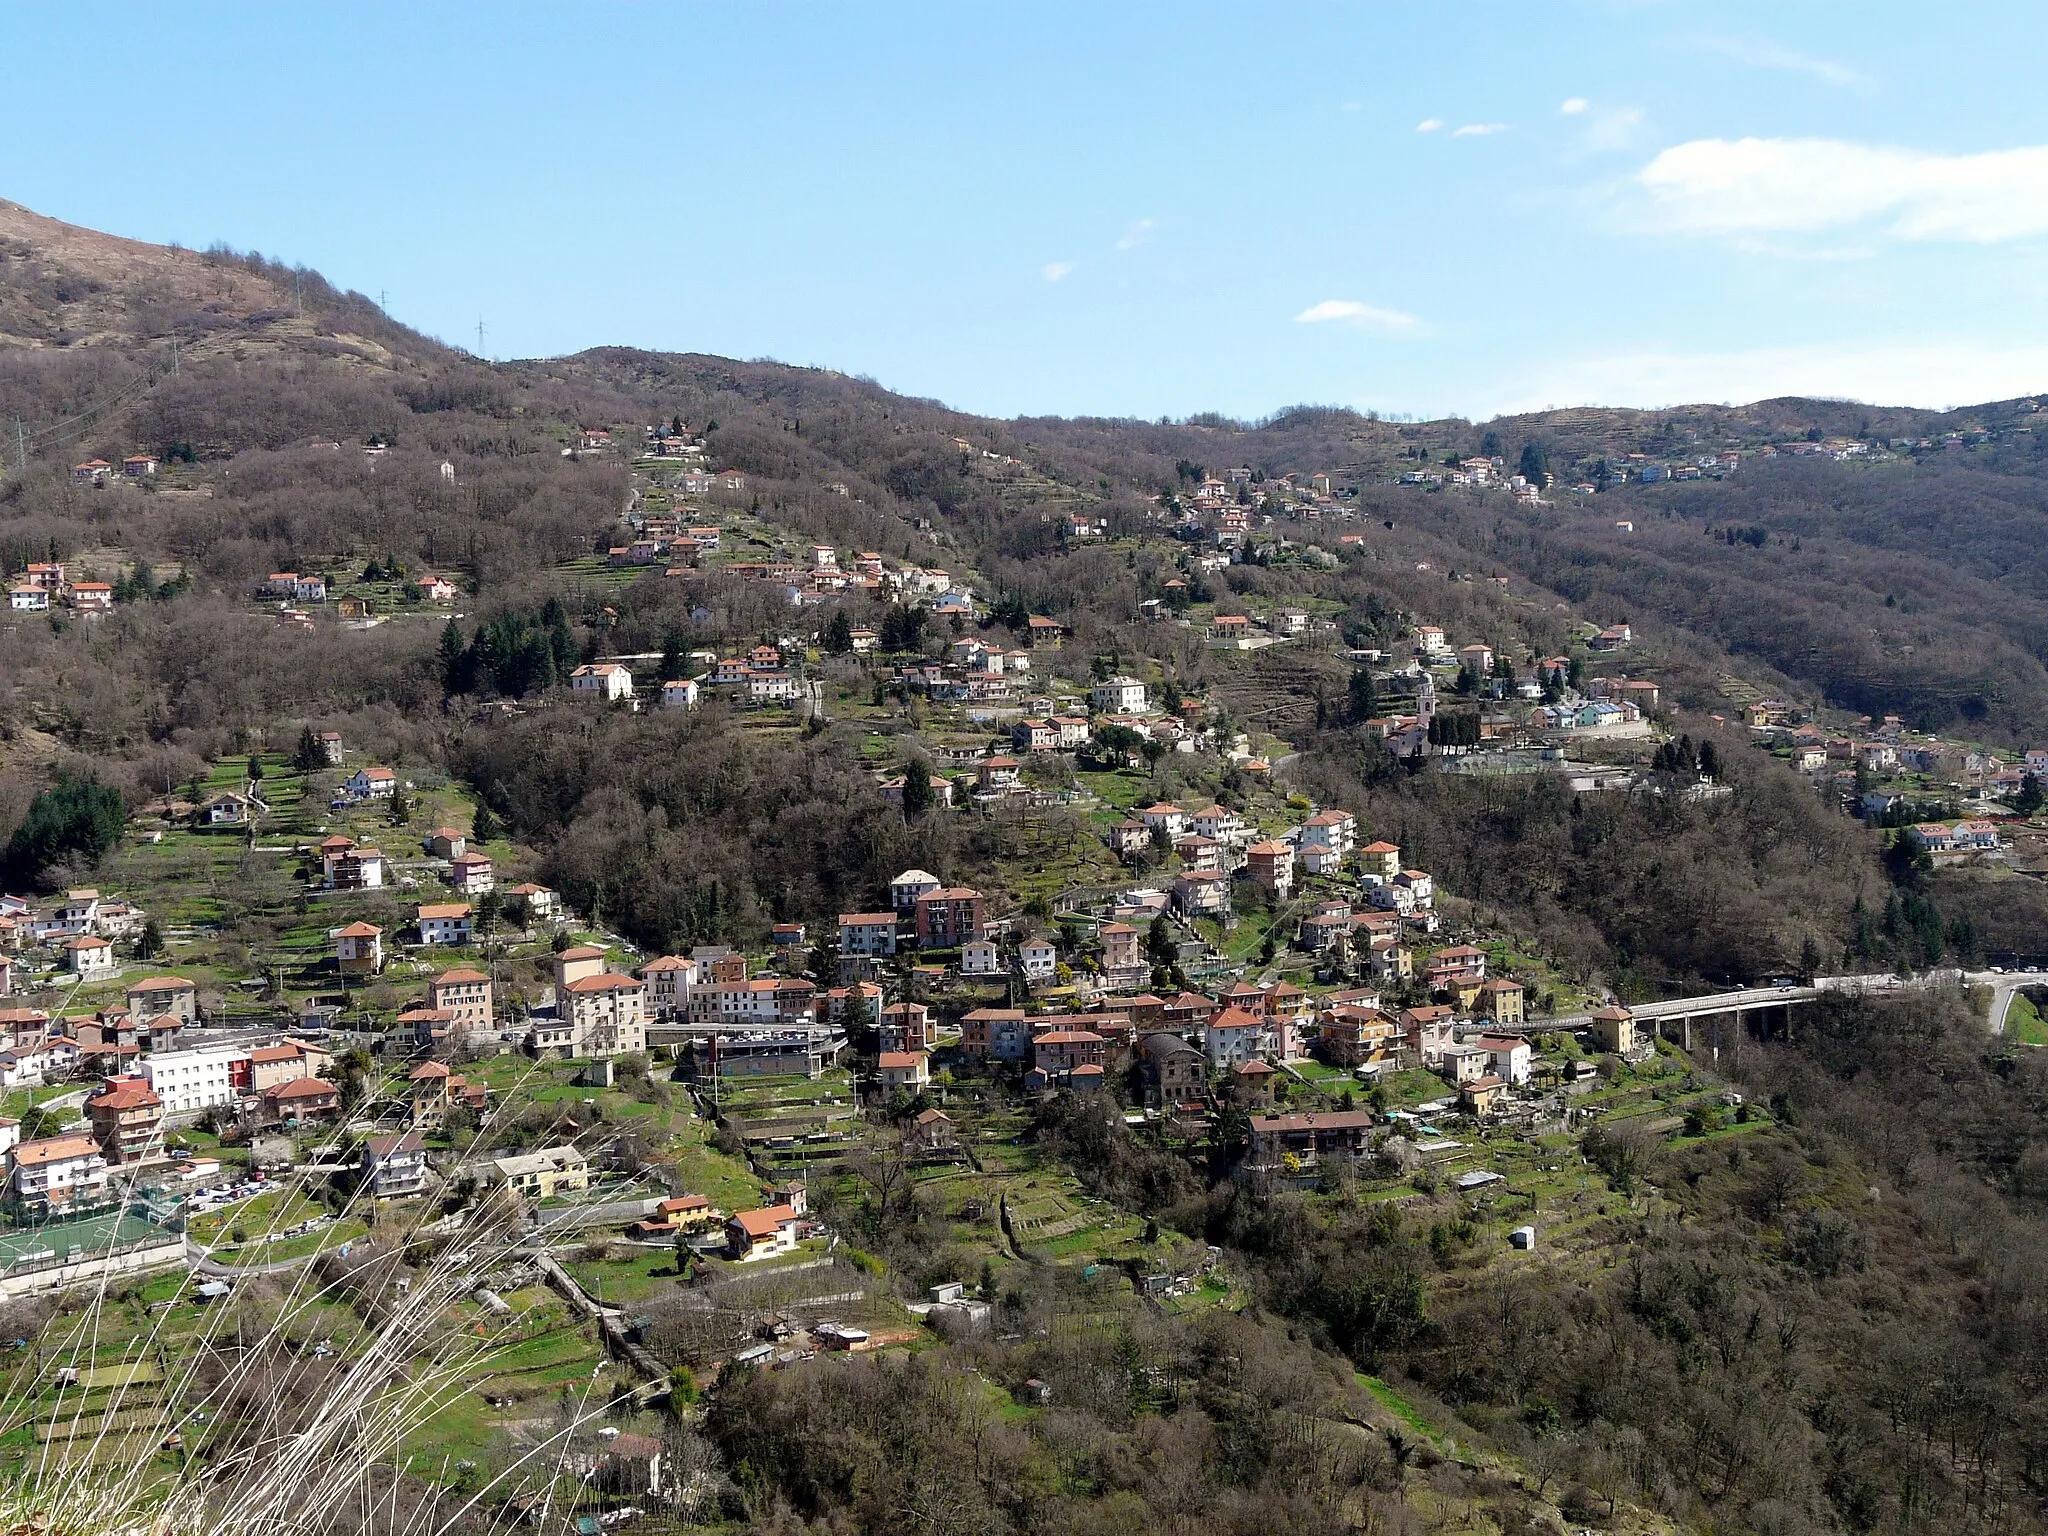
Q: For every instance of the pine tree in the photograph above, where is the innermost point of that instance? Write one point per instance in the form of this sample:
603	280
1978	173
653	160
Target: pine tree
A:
671	656
454	657
838	634
307	756
917	789
485	826
1365	704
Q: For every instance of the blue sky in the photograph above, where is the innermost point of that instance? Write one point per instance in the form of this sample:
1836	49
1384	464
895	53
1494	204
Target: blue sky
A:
1091	208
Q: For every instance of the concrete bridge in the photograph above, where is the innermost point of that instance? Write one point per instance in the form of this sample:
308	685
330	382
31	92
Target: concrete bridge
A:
1768	1010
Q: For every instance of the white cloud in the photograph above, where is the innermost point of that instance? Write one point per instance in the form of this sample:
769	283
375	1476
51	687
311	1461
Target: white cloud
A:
1935	376
1351	312
1429	125
1477	130
1053	271
1748	187
1135	233
1573	106
1616	129
1761	53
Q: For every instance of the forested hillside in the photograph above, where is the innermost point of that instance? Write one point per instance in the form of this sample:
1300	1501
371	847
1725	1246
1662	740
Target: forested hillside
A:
1797	1286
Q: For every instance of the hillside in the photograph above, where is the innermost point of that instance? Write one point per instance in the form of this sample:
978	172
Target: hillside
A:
1240	823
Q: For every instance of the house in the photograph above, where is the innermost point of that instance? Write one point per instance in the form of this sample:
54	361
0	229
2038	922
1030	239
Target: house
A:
905	1027
272	1066
868	934
1123	952
1271	863
27	599
394	1167
92	596
472	874
1476	659
605	680
679	693
1060	1053
541	904
1232	627
763	1233
1043	631
909	1071
437	589
155	996
359	949
1128	836
1231	1037
980	957
464	995
1173	1072
1040	957
1201	893
92	472
138	465
999	772
1327	839
1309	1138
445	923
125	1113
354	869
199	1078
1501	1000
57	1175
1118	696
908	886
372	783
931	1134
1381	860
948	916
89	957
606	1014
1614	1030
1164	817
301	1101
1198	852
999	1034
1483	1096
446	843
1510	1056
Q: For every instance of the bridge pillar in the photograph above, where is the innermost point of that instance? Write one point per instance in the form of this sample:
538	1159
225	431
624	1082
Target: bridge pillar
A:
1687	1023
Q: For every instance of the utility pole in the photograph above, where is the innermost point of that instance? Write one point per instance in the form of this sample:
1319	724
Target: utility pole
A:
20	446
479	338
174	357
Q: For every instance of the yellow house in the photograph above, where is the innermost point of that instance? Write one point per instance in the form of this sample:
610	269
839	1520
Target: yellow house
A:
1614	1030
539	1175
1502	1001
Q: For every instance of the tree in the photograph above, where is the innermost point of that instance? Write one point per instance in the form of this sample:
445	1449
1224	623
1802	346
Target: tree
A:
458	668
1710	760
1535	464
75	817
151	944
1364	697
1160	947
484	827
308	756
401	807
255	768
917	789
671	656
2031	797
838	633
1489	446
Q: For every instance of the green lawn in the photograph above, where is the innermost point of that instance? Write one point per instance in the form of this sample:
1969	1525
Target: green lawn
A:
2023	1021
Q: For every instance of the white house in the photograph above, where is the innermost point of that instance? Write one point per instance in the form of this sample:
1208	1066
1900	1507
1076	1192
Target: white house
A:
908	886
1041	957
193	1080
980	957
1118	696
447	922
89	956
679	693
372	783
606	680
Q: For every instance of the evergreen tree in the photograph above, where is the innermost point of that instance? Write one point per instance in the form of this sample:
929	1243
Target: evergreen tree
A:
308	756
917	789
458	670
671	656
74	817
838	633
485	826
1365	704
255	768
1535	464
